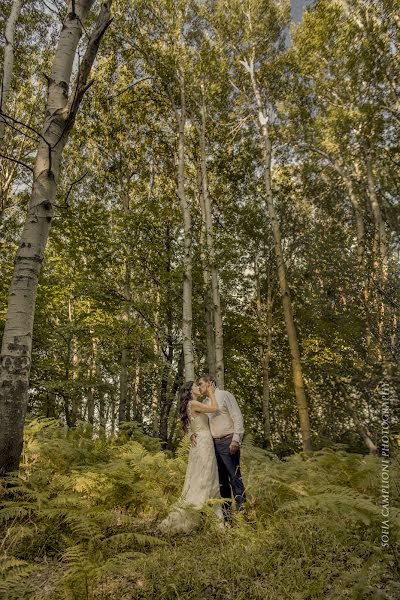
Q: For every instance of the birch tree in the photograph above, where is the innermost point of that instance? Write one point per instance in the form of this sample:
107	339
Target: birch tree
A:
8	63
187	319
209	229
165	59
265	334
254	20
208	308
61	111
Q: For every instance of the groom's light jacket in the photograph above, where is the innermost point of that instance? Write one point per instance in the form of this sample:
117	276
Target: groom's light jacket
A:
228	419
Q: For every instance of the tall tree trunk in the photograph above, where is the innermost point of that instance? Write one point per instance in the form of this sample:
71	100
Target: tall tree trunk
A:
113	415
380	242
123	386
136	401
208	310
187	321
8	63
379	254
358	215
90	404
175	387
91	390
59	119
394	337
102	415
51	405
123	378
166	376
281	268
70	367
74	361
155	399
219	336
265	353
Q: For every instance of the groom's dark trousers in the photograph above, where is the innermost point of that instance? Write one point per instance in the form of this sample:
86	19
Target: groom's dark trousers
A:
230	477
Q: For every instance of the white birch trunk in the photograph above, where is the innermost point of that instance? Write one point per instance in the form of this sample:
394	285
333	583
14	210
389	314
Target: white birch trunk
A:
8	63
281	268
126	317
265	354
187	320
91	391
123	376
59	118
155	392
207	286
358	215
219	336
380	255
380	242
136	401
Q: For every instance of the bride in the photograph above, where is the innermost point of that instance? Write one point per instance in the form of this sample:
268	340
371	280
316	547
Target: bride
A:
201	480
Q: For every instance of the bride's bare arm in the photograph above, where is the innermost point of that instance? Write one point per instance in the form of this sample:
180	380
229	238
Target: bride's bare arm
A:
205	408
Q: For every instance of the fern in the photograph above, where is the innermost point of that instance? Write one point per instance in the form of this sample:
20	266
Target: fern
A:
82	519
13	573
337	500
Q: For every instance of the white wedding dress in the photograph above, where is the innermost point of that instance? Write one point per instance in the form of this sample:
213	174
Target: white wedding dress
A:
201	480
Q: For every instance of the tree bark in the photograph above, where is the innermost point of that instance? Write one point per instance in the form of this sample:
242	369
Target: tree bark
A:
8	62
281	268
380	255
59	119
380	242
359	217
74	395
187	321
265	353
101	394
175	387
90	402
219	336
208	311
167	370
50	405
123	378
136	402
155	400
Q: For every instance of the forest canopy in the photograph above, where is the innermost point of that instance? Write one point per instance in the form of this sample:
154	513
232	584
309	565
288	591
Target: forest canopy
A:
190	187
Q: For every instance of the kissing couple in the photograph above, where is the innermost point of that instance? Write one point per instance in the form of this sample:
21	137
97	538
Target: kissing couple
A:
213	470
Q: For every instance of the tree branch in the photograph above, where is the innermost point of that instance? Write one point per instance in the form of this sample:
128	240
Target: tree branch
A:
17	161
72	184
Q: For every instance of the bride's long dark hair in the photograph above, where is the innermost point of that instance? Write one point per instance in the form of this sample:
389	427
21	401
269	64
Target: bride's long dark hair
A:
185	395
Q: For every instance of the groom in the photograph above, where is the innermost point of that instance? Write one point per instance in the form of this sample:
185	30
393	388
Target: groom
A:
227	429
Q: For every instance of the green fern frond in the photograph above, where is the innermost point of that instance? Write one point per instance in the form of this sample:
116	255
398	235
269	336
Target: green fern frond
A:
341	501
148	540
10	562
12	572
183	448
83	527
132	451
13	512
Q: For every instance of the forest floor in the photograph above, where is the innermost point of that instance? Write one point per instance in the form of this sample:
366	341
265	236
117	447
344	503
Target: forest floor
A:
81	523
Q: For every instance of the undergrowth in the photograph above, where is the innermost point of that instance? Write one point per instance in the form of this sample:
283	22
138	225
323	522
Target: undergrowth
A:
80	522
